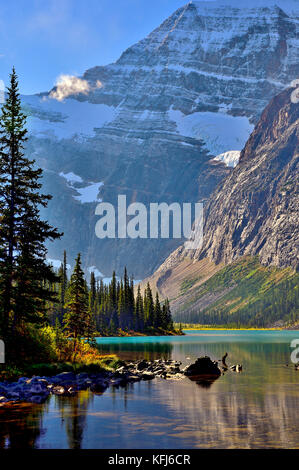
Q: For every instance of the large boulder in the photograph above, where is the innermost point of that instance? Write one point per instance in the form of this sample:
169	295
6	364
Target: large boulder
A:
203	366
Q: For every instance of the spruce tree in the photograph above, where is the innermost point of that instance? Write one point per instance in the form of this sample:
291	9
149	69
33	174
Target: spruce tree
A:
122	307
166	315
22	233
62	274
75	318
149	309
158	320
139	312
114	303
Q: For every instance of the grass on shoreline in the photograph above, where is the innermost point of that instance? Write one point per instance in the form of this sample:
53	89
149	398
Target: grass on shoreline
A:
194	327
149	332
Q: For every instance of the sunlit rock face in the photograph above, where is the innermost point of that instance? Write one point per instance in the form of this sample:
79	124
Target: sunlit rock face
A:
149	125
256	211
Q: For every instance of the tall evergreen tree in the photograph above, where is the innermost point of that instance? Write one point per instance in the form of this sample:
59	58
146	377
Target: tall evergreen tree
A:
139	312
122	307
167	322
22	233
149	309
62	274
114	304
76	306
158	318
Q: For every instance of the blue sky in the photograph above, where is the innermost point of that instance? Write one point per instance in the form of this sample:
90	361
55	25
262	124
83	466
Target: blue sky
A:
45	38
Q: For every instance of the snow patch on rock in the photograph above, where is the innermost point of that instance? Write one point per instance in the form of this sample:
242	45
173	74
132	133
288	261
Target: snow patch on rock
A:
71	177
230	158
85	194
89	193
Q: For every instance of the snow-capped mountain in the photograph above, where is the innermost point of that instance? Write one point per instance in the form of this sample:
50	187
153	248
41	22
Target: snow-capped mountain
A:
150	125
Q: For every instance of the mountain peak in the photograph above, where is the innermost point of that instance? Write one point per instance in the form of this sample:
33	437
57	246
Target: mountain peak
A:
286	5
190	91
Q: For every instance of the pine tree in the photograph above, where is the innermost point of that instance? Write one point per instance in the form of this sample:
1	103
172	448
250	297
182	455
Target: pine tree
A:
166	315
139	312
114	304
92	293
122	307
22	232
149	309
62	274
158	319
131	305
76	306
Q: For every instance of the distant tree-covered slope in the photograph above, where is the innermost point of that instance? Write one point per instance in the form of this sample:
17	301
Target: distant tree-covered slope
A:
244	293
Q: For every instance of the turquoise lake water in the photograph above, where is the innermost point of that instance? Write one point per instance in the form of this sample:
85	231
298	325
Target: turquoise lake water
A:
258	408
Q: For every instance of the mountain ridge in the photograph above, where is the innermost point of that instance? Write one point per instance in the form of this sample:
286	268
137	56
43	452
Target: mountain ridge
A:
247	268
153	127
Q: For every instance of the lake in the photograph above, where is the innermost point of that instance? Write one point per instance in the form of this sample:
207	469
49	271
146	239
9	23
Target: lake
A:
258	408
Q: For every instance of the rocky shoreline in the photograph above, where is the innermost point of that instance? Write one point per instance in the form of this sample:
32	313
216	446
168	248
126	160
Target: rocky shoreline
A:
37	389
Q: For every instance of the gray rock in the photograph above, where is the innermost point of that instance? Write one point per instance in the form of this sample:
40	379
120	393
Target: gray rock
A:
82	376
13	395
58	390
38	389
66	377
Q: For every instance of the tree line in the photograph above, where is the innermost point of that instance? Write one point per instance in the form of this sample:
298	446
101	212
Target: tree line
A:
85	309
279	304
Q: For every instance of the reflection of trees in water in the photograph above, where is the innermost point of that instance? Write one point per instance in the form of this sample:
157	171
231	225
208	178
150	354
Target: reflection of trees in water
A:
73	411
21	425
224	417
146	350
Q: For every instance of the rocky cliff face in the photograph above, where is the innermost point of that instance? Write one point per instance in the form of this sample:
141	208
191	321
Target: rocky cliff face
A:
256	210
188	92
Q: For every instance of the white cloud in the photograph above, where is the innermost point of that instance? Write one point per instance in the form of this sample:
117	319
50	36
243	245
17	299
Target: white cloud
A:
67	85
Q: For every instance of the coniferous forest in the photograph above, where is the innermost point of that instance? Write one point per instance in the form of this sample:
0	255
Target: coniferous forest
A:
85	309
42	310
